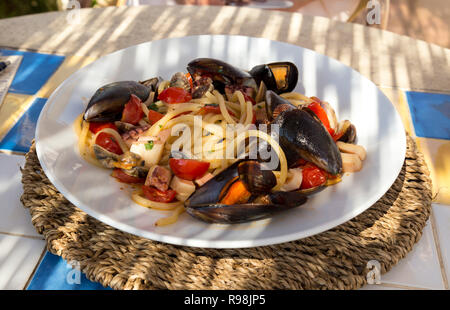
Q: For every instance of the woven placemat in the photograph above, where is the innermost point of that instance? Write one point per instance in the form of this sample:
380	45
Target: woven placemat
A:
335	259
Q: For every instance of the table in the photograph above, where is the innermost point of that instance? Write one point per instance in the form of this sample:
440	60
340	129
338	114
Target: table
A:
415	76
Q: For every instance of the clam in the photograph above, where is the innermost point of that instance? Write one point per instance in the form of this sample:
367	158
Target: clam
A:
346	132
180	80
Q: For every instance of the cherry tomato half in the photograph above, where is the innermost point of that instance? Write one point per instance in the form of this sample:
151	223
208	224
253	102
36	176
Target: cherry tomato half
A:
95	127
125	178
312	176
322	115
188	169
154	194
132	113
174	95
108	142
154	116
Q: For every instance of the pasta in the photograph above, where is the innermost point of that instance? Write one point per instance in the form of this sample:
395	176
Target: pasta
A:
211	131
172	145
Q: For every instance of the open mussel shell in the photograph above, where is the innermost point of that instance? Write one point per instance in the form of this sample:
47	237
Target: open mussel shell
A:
276	104
264	207
279	77
261	94
211	191
221	73
107	103
302	135
256	179
205	203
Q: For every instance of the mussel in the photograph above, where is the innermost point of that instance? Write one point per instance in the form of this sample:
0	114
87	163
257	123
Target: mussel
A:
302	135
280	77
106	105
276	104
222	75
241	193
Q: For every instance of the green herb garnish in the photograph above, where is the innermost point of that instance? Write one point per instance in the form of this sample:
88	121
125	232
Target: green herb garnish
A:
153	107
149	145
160	126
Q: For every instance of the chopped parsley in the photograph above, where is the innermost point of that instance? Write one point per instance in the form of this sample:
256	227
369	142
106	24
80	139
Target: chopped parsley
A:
149	145
153	107
160	126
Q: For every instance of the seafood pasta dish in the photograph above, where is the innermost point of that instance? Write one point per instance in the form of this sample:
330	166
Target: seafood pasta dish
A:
224	144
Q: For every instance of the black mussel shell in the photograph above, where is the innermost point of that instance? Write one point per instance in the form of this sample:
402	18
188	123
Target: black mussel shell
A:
212	191
265	207
279	77
256	179
106	105
302	135
276	104
222	73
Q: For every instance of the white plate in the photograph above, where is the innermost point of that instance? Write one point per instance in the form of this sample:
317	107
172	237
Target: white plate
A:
354	97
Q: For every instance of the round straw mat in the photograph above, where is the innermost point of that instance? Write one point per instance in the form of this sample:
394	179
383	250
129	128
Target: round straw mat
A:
335	259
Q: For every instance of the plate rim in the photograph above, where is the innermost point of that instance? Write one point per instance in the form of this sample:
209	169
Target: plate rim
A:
192	241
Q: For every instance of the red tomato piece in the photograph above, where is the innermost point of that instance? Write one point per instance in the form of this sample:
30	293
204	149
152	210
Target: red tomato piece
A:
337	136
312	176
108	142
188	169
132	113
154	194
95	127
174	95
125	178
322	115
154	116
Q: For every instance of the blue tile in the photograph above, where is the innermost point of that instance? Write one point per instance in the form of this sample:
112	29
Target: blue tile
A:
19	138
430	113
54	273
34	71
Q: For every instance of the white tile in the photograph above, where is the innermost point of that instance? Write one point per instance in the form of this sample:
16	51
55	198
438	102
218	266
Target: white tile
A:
441	215
420	268
14	217
18	258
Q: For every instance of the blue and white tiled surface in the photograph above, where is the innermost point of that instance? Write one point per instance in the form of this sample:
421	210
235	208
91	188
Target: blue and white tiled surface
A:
25	263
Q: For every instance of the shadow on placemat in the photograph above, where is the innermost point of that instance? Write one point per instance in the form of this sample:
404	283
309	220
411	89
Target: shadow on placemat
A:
335	259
